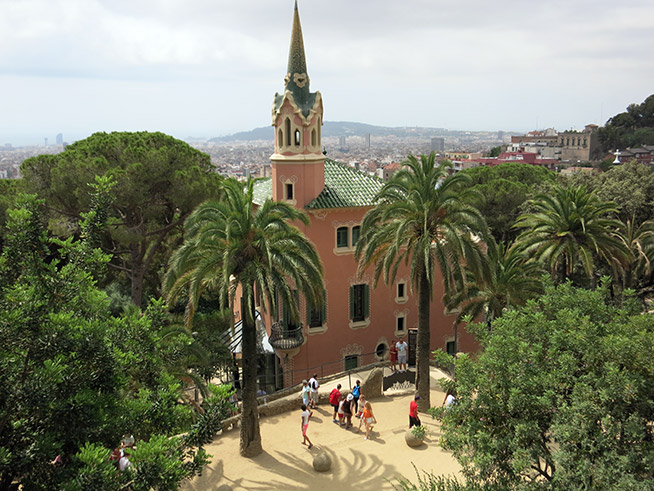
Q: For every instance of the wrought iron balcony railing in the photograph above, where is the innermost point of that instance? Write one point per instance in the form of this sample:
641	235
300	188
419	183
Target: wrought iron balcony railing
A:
285	339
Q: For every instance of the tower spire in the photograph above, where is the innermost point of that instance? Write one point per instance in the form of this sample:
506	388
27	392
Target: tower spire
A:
297	79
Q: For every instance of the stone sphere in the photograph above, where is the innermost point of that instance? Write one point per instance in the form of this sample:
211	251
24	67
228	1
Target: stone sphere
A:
412	440
322	462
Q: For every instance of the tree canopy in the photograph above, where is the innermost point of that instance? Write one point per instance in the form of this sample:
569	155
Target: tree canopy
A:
559	397
76	379
631	128
160	180
502	190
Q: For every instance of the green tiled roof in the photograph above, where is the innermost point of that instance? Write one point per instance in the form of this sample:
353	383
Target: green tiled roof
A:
345	187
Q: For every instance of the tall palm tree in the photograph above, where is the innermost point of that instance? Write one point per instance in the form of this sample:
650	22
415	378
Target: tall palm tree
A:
511	282
571	226
422	219
231	244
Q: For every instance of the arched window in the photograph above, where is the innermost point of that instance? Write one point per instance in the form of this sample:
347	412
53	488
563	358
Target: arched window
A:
297	138
287	124
313	137
280	138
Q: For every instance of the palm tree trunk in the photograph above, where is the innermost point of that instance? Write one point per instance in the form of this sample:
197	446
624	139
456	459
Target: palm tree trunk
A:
250	435
423	342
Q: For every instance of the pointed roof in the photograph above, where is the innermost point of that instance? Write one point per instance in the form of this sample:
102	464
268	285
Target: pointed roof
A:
297	78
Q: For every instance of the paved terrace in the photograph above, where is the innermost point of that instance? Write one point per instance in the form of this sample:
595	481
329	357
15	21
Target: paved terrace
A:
375	464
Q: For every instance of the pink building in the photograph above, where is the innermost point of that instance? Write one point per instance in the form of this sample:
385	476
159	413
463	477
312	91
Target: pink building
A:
358	322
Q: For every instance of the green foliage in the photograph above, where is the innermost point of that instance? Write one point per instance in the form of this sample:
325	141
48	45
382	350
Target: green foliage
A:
74	378
510	282
502	190
419	432
632	128
560	396
430	482
572	225
159	181
495	151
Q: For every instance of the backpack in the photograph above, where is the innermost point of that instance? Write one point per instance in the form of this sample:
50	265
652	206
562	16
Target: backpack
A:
333	397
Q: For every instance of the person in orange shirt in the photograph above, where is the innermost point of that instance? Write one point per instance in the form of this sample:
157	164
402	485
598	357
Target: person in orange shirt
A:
369	419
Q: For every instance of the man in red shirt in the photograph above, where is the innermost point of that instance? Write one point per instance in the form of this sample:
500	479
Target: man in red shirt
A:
334	398
414	420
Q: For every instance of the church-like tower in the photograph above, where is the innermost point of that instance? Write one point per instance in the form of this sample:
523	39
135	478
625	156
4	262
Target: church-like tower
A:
298	165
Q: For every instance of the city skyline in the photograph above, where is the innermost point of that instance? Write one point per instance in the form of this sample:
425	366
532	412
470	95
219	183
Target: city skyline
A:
210	68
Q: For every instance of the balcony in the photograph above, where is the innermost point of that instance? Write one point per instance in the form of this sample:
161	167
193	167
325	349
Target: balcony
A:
285	339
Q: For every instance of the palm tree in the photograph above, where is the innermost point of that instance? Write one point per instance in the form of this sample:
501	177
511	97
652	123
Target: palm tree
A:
571	226
640	241
422	219
511	282
231	244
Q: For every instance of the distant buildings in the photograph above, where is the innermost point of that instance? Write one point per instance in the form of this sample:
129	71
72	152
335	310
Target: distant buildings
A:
567	146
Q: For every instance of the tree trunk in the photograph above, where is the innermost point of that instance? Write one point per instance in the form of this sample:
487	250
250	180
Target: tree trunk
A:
423	342
250	434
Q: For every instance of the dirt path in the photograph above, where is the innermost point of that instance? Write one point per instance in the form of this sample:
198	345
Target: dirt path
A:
286	464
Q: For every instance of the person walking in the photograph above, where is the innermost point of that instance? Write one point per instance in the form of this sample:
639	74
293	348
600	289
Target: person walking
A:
414	420
450	399
306	415
334	399
369	419
402	349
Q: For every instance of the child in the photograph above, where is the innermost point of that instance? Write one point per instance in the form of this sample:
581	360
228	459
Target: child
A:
369	419
341	413
306	415
362	405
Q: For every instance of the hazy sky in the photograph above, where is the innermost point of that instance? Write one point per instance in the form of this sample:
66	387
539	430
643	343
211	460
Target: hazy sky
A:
211	67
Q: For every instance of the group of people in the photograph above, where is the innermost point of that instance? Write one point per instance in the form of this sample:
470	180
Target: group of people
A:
398	355
354	403
345	406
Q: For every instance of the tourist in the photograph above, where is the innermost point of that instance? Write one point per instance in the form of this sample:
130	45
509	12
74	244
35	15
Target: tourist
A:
348	407
356	392
360	408
124	462
450	398
360	405
341	411
313	385
402	349
414	420
369	419
306	415
393	354
306	393
334	398
262	393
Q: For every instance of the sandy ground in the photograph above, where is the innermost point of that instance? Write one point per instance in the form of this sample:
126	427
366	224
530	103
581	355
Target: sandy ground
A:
374	464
